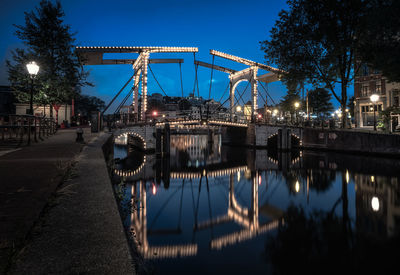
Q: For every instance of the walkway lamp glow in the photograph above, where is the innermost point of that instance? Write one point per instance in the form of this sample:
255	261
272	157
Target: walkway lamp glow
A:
238	108
33	70
374	98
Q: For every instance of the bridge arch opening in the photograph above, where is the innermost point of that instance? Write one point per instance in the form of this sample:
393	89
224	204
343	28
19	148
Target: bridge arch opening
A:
272	141
295	141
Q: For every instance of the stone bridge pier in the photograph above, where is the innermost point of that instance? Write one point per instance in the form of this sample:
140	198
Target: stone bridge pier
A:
263	136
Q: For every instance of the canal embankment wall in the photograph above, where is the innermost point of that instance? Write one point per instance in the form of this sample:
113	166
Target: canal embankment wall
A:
351	141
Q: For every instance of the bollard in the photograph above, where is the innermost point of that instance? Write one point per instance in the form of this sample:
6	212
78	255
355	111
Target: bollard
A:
79	135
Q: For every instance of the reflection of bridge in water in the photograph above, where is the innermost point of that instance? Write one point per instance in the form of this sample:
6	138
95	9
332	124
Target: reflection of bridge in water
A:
247	218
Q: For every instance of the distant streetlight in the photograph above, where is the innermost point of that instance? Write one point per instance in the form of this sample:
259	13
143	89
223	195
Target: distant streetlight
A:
374	98
33	70
238	108
155	113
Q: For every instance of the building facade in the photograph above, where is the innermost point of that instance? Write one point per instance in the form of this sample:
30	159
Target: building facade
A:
366	83
64	111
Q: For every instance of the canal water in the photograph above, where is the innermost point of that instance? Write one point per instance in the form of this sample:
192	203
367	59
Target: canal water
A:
214	209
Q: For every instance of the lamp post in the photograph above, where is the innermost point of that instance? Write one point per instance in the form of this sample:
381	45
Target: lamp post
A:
374	98
33	69
296	106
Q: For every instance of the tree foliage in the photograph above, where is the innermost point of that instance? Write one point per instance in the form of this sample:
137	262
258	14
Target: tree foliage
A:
287	103
85	104
315	42
380	43
319	101
48	42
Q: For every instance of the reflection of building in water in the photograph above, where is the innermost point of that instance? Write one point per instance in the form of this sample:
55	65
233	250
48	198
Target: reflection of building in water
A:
377	204
247	218
195	150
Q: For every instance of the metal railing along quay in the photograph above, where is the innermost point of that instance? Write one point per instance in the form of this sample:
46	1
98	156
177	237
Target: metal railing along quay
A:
17	130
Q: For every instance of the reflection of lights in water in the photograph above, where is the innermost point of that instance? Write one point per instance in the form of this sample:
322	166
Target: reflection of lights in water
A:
347	176
372	178
238	176
297	186
204	172
375	204
259	179
154	190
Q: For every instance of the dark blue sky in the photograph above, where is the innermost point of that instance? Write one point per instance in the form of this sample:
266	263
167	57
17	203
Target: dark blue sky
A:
233	26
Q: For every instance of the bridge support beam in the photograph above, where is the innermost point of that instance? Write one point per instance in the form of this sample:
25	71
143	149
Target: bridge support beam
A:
284	139
250	75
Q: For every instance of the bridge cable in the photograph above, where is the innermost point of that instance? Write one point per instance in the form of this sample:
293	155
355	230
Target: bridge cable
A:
224	92
267	93
163	206
111	102
262	97
230	108
180	71
212	70
156	80
124	100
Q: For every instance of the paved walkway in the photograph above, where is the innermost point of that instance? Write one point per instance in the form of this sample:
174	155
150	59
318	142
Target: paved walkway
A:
29	177
82	233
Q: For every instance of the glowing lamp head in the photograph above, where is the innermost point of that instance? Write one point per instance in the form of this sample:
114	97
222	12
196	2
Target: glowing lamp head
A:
296	105
155	113
375	204
276	111
238	108
259	116
32	68
374	98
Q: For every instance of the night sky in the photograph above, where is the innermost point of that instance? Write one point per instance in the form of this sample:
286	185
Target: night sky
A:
233	26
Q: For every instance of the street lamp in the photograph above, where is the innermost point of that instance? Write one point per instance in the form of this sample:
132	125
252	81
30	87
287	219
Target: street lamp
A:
238	108
33	69
374	98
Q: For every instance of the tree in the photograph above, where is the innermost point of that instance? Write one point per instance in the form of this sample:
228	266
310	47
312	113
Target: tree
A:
85	105
315	42
319	100
380	42
287	103
49	42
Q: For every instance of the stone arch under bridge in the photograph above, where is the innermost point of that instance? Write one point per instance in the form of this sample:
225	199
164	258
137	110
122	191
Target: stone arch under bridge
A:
145	133
285	136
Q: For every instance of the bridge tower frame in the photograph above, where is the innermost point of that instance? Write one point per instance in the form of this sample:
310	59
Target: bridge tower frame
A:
248	74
